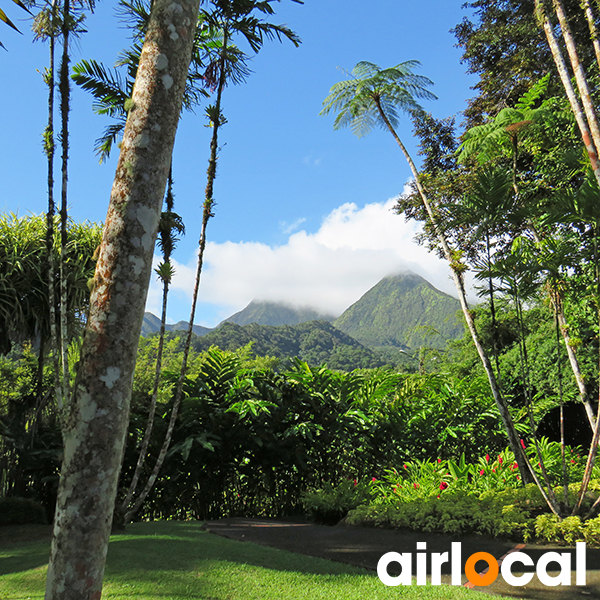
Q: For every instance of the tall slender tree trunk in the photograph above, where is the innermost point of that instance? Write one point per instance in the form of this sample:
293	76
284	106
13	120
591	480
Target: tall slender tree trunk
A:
513	438
591	19
97	416
565	78
65	91
580	77
557	299
206	215
49	149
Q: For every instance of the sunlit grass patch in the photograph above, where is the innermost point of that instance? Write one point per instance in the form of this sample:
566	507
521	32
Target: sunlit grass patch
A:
176	561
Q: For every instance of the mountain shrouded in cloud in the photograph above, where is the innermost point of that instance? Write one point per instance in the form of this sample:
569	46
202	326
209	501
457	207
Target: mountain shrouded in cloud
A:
328	270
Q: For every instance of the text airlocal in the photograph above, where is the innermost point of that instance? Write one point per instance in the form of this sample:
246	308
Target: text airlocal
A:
510	562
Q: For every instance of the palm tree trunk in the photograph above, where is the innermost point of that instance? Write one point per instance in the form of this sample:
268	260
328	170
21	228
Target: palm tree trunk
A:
566	81
64	87
49	149
589	15
97	418
580	77
557	299
206	215
456	268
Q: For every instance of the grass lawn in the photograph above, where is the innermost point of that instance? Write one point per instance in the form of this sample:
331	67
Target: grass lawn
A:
174	561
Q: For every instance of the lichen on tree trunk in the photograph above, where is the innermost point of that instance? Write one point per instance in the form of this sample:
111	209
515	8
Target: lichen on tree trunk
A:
97	416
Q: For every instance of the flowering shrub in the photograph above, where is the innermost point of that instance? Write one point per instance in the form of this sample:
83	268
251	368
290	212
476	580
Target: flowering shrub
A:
420	479
513	513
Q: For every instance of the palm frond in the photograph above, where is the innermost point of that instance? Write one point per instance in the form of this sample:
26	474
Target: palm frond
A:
106	85
104	144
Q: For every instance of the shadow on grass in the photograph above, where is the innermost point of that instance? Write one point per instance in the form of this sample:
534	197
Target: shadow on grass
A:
184	546
24	547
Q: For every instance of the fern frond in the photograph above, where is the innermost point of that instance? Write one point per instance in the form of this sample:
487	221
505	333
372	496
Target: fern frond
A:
528	100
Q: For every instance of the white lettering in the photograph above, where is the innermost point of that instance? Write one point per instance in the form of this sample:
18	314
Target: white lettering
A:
563	559
507	563
404	560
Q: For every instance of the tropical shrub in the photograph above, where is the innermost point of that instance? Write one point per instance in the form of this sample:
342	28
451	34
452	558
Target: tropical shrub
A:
21	511
330	504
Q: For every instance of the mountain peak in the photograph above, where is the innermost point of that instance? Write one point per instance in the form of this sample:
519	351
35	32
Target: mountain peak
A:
404	311
274	313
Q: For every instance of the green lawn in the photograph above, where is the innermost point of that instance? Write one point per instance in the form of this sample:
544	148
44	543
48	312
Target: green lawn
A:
176	561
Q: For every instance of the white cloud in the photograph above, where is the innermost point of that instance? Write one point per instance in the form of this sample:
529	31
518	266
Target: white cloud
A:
329	270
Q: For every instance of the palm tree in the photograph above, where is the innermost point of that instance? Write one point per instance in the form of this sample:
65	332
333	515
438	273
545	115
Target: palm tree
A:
46	27
230	18
373	96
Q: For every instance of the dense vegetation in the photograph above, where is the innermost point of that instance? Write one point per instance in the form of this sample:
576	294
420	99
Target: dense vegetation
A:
221	425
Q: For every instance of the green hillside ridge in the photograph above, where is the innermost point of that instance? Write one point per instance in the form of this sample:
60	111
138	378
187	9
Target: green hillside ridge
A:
403	311
316	342
151	324
275	313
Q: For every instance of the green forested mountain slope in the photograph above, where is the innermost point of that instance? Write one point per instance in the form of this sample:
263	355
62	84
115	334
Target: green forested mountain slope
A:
274	313
404	311
315	342
151	324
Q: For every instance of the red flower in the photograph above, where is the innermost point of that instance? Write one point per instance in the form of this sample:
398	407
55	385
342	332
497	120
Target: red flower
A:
439	460
416	485
481	472
523	444
487	458
355	483
406	466
500	459
443	486
374	479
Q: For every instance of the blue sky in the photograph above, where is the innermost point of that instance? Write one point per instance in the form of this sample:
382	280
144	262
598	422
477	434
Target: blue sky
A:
303	212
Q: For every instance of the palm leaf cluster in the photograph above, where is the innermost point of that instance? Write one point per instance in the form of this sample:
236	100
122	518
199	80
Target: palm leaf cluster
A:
358	99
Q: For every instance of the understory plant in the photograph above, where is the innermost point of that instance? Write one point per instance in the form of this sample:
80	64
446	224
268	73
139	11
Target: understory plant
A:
330	504
458	497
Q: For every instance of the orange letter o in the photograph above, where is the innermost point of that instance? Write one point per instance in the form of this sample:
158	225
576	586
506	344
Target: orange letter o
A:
486	578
